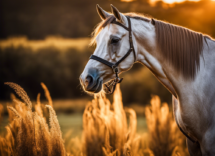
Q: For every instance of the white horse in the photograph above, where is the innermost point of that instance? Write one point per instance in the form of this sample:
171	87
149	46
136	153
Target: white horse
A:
181	59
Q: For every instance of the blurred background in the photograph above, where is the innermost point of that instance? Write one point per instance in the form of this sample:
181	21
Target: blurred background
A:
47	41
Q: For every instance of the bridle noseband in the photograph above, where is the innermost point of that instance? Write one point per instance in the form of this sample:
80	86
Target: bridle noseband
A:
114	66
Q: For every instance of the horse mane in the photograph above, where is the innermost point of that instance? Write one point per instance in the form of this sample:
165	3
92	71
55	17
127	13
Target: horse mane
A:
179	46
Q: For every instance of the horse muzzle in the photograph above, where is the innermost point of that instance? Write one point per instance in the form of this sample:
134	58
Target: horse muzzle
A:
91	82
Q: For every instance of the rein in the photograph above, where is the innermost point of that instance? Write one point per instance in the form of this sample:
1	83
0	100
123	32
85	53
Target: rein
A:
114	66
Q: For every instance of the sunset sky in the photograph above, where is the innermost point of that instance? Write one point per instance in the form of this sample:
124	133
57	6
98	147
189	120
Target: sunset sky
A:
166	1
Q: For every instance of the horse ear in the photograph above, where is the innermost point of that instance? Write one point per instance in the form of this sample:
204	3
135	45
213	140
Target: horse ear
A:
119	16
103	14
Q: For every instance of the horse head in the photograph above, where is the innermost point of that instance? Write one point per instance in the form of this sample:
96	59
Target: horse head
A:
112	44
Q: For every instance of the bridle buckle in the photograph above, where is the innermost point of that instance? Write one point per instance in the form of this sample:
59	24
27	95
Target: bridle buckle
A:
115	69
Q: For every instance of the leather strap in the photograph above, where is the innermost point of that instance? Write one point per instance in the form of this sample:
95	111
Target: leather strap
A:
115	65
115	22
126	55
109	64
130	35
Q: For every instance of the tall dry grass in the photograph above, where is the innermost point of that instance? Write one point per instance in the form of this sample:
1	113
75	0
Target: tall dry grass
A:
164	135
108	129
28	133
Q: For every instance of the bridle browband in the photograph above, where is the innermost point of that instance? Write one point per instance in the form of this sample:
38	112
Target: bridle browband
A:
114	66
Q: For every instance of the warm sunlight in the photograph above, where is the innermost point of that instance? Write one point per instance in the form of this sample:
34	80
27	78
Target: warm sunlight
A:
166	1
152	2
173	1
178	1
127	0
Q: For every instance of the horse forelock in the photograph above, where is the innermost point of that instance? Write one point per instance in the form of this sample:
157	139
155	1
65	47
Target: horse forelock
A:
99	27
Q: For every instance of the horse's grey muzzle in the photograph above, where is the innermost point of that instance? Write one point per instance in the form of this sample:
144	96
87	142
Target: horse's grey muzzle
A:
91	82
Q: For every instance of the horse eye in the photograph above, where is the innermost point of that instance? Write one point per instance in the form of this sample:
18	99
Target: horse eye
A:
115	40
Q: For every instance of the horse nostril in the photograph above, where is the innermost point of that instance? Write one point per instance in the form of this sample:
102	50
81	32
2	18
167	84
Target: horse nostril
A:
88	80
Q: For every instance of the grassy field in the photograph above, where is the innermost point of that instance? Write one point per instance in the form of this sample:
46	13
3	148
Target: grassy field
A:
73	122
104	129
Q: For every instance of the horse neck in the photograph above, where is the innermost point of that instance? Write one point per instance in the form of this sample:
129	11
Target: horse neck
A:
148	53
145	41
144	34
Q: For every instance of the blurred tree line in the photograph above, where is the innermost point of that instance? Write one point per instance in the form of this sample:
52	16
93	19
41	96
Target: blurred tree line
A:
76	18
60	71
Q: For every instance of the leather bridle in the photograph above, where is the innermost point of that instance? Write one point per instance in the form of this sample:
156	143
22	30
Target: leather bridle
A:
114	66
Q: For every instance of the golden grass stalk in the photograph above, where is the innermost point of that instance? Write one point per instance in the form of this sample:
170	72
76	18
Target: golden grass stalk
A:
10	140
38	108
18	105
47	94
55	132
26	136
14	111
21	92
42	135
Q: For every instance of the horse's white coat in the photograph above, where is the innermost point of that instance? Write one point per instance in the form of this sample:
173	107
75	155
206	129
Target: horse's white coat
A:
195	104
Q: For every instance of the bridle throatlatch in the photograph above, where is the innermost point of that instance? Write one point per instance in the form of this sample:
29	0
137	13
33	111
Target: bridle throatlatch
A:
110	88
